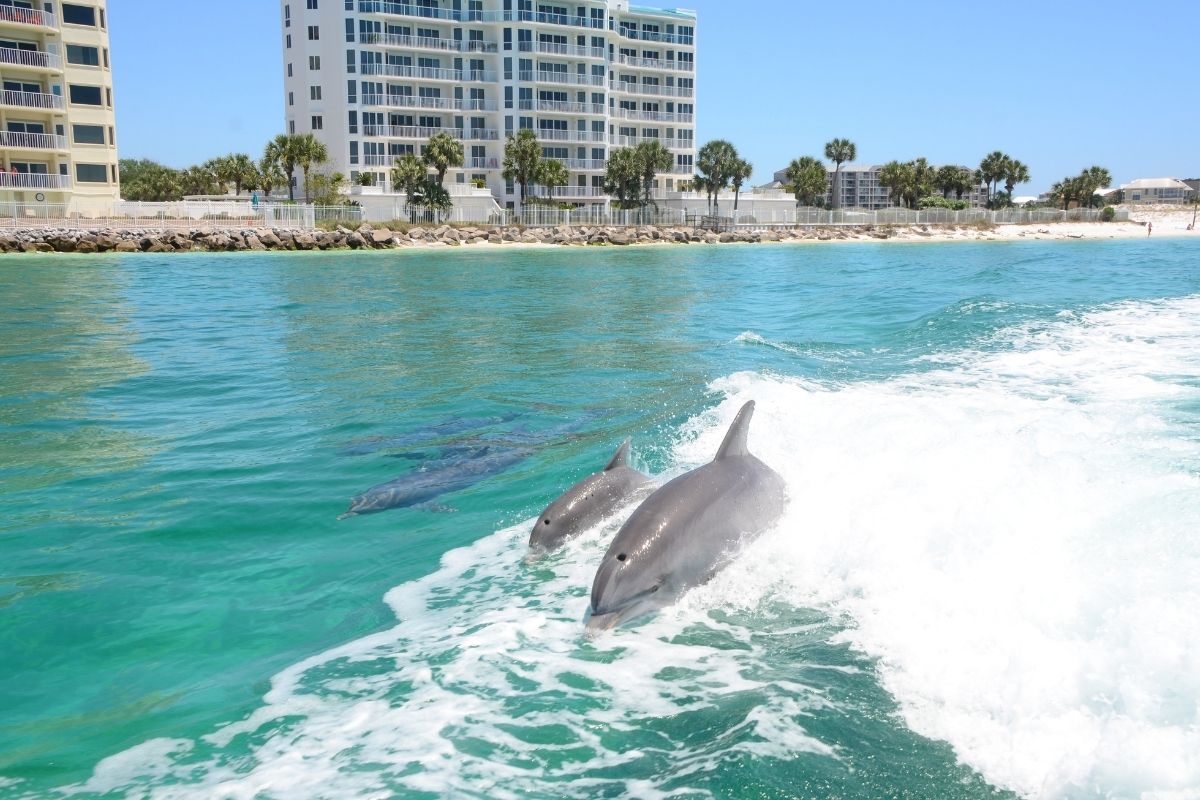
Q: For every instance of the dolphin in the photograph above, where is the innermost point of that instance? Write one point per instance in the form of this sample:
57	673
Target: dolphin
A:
687	531
586	503
421	487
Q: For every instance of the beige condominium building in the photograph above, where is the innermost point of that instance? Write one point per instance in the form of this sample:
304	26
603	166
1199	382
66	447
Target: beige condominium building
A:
375	79
57	128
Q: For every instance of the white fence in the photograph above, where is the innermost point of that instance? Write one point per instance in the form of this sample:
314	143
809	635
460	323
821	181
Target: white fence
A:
904	216
185	215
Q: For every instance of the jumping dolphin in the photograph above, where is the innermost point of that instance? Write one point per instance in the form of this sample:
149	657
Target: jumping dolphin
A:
687	531
423	486
586	503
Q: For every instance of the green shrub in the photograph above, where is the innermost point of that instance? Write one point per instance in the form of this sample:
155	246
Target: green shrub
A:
1108	214
937	201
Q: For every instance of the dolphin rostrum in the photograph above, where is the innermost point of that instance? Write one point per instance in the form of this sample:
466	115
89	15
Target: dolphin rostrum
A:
687	531
587	503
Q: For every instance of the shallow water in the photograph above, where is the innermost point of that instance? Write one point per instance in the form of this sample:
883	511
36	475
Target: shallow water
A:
986	582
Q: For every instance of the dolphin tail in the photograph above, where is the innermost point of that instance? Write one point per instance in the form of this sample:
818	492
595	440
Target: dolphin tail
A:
620	458
735	441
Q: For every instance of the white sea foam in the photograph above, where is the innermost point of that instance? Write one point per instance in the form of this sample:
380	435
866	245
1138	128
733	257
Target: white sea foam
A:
1011	536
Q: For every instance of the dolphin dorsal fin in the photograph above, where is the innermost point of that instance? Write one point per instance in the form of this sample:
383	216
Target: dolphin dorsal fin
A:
620	458
735	441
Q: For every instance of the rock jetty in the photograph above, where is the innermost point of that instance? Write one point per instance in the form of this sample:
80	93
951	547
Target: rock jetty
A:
132	240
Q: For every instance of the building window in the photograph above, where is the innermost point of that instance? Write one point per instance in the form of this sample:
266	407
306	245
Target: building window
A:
108	97
86	56
91	173
86	95
289	70
289	40
314	63
291	126
314	93
317	123
314	33
79	15
349	30
88	134
312	5
287	16
291	98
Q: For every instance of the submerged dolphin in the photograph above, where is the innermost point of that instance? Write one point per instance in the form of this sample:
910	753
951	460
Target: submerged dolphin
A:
687	531
587	503
423	486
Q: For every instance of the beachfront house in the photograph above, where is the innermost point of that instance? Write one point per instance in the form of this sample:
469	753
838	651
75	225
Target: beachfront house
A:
1156	191
58	149
376	79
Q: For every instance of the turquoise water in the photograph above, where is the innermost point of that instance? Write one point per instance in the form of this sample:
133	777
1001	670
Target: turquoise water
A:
985	585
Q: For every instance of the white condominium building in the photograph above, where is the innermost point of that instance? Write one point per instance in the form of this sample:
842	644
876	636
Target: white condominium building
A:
57	127
375	79
860	187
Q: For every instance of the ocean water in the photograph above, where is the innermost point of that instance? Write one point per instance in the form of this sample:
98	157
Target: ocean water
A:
987	583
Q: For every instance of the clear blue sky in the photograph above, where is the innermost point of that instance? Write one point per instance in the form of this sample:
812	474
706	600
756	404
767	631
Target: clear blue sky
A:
1060	85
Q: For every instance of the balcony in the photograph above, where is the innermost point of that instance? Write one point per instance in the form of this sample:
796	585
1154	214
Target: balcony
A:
424	132
654	36
658	90
49	102
656	63
569	136
427	43
553	19
33	180
428	73
574	192
556	49
482	163
634	141
27	16
441	103
408	10
561	107
653	116
33	141
565	78
584	164
33	59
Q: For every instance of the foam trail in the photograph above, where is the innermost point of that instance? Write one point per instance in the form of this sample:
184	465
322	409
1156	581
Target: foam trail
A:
1010	536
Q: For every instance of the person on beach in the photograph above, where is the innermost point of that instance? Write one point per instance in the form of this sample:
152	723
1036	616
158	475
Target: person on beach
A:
1149	229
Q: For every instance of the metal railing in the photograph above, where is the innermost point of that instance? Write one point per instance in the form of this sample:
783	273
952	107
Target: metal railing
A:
426	42
566	78
557	49
816	217
550	134
412	101
629	87
179	216
27	16
31	99
561	107
419	132
654	36
482	163
30	58
656	63
588	164
553	19
33	141
428	73
670	144
33	180
538	216
653	116
408	10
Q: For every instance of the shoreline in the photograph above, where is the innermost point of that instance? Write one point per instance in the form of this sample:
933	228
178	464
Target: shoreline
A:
1170	223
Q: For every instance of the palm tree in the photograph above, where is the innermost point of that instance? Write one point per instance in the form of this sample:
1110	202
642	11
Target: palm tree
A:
992	170
808	179
311	152
947	179
739	174
1014	174
651	158
715	161
442	153
552	173
522	159
701	183
284	151
839	151
239	169
623	176
268	176
896	176
1093	179
920	181
408	174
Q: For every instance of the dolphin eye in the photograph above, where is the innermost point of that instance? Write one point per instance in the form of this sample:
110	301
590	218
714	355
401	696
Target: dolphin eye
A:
546	521
622	557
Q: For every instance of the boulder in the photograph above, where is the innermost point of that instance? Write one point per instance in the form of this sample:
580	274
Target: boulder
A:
381	237
126	246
